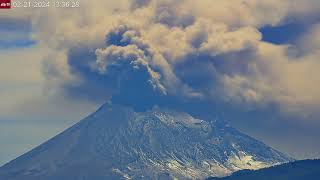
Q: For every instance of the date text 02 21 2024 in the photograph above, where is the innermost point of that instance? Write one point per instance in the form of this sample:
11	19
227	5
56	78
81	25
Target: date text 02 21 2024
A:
45	4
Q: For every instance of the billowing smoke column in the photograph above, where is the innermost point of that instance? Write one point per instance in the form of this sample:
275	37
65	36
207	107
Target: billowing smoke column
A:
172	52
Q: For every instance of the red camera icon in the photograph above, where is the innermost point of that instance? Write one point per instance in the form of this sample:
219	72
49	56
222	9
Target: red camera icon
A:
5	4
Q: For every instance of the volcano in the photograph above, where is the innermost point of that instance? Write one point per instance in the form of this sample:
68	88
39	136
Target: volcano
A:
116	142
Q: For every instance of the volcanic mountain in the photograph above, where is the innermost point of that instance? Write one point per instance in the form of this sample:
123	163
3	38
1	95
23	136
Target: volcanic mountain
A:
116	142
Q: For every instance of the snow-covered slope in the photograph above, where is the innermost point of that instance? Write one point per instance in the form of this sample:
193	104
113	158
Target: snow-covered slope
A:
117	143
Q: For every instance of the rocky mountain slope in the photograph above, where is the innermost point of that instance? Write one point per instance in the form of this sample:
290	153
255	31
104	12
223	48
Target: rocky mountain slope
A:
117	143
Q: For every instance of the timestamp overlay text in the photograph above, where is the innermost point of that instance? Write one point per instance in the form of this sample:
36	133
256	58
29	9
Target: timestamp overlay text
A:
45	4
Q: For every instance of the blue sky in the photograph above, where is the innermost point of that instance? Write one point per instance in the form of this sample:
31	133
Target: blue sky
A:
255	69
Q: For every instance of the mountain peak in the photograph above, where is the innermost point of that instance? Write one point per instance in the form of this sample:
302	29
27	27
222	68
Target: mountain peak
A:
117	142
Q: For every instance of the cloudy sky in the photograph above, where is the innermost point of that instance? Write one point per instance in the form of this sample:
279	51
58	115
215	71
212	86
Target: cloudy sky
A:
254	63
